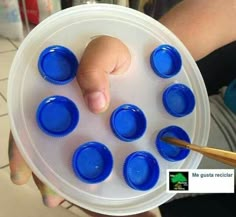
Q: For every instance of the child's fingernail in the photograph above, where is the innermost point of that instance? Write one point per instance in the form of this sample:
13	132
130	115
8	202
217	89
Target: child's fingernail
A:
96	101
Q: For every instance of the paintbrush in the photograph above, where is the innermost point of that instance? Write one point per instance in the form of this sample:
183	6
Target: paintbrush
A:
226	157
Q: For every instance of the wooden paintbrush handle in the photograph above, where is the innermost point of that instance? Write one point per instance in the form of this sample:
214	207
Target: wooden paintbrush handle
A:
223	156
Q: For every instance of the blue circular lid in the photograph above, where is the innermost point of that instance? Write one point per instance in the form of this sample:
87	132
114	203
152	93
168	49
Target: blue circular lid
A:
168	151
128	122
178	100
57	116
141	171
92	162
230	96
57	64
165	61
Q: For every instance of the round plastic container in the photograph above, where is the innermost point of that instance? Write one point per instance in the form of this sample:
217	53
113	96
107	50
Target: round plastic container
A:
50	157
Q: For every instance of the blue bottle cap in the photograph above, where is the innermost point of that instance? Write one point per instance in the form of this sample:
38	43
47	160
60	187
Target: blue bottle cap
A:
178	100
165	61
230	96
141	171
128	122
57	64
168	151
92	162
57	116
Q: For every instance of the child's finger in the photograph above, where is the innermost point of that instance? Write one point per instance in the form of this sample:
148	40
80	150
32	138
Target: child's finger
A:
20	171
102	56
50	198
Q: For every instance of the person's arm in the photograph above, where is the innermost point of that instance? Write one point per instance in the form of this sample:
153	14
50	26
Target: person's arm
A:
203	25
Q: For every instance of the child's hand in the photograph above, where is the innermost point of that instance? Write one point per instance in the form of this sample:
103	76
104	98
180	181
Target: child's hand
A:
102	56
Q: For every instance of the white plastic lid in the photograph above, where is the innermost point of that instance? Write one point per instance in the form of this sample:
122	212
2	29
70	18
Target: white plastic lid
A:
50	157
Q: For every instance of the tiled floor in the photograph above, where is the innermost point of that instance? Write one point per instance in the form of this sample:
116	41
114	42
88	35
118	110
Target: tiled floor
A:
22	200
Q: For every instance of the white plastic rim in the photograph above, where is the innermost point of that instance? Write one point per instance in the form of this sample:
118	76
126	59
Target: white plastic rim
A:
50	158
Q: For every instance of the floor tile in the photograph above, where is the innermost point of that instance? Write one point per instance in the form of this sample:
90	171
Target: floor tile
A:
24	201
77	211
3	106
6	45
16	43
5	63
4	130
3	88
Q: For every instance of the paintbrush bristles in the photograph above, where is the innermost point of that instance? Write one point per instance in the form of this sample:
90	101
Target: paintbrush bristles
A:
226	157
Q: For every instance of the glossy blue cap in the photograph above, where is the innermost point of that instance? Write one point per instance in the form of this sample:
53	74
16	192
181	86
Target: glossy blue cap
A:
57	64
128	122
178	100
57	116
168	151
165	61
92	162
230	96
141	171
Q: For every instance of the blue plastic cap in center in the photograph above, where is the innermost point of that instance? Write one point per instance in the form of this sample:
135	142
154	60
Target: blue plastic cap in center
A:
168	151
165	61
57	116
57	64
128	122
178	100
141	171
92	162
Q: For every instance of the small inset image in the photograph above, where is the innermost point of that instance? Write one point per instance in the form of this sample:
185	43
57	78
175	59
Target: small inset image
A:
178	181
